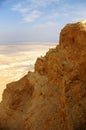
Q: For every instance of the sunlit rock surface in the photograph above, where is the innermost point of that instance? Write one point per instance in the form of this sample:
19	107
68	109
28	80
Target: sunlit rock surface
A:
53	97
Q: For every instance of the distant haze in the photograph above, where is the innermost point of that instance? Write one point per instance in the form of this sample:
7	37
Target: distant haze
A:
17	60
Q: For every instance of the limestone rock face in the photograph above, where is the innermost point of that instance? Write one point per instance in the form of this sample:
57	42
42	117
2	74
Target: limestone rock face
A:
53	97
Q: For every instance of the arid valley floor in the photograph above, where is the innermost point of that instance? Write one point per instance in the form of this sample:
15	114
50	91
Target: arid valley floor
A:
17	59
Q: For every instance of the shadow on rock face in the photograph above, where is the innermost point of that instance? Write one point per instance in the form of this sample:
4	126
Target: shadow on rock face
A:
81	127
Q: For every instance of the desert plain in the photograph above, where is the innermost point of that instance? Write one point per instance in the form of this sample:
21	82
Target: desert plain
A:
17	59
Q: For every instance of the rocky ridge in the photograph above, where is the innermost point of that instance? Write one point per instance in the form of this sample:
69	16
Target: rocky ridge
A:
53	97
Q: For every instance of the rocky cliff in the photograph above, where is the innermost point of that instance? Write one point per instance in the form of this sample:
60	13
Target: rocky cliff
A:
53	97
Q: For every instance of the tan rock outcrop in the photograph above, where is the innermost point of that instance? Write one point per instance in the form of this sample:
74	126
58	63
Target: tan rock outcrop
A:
53	97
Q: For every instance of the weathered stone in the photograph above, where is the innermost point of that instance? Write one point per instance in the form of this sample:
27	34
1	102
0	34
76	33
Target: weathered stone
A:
53	97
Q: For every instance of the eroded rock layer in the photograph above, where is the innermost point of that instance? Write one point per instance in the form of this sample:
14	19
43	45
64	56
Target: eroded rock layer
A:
53	97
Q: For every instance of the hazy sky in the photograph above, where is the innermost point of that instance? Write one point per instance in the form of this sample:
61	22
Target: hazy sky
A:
37	20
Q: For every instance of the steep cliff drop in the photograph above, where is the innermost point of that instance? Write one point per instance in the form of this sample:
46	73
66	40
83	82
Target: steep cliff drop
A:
53	97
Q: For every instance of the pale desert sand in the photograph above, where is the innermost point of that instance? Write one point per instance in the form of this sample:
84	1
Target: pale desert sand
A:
17	60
